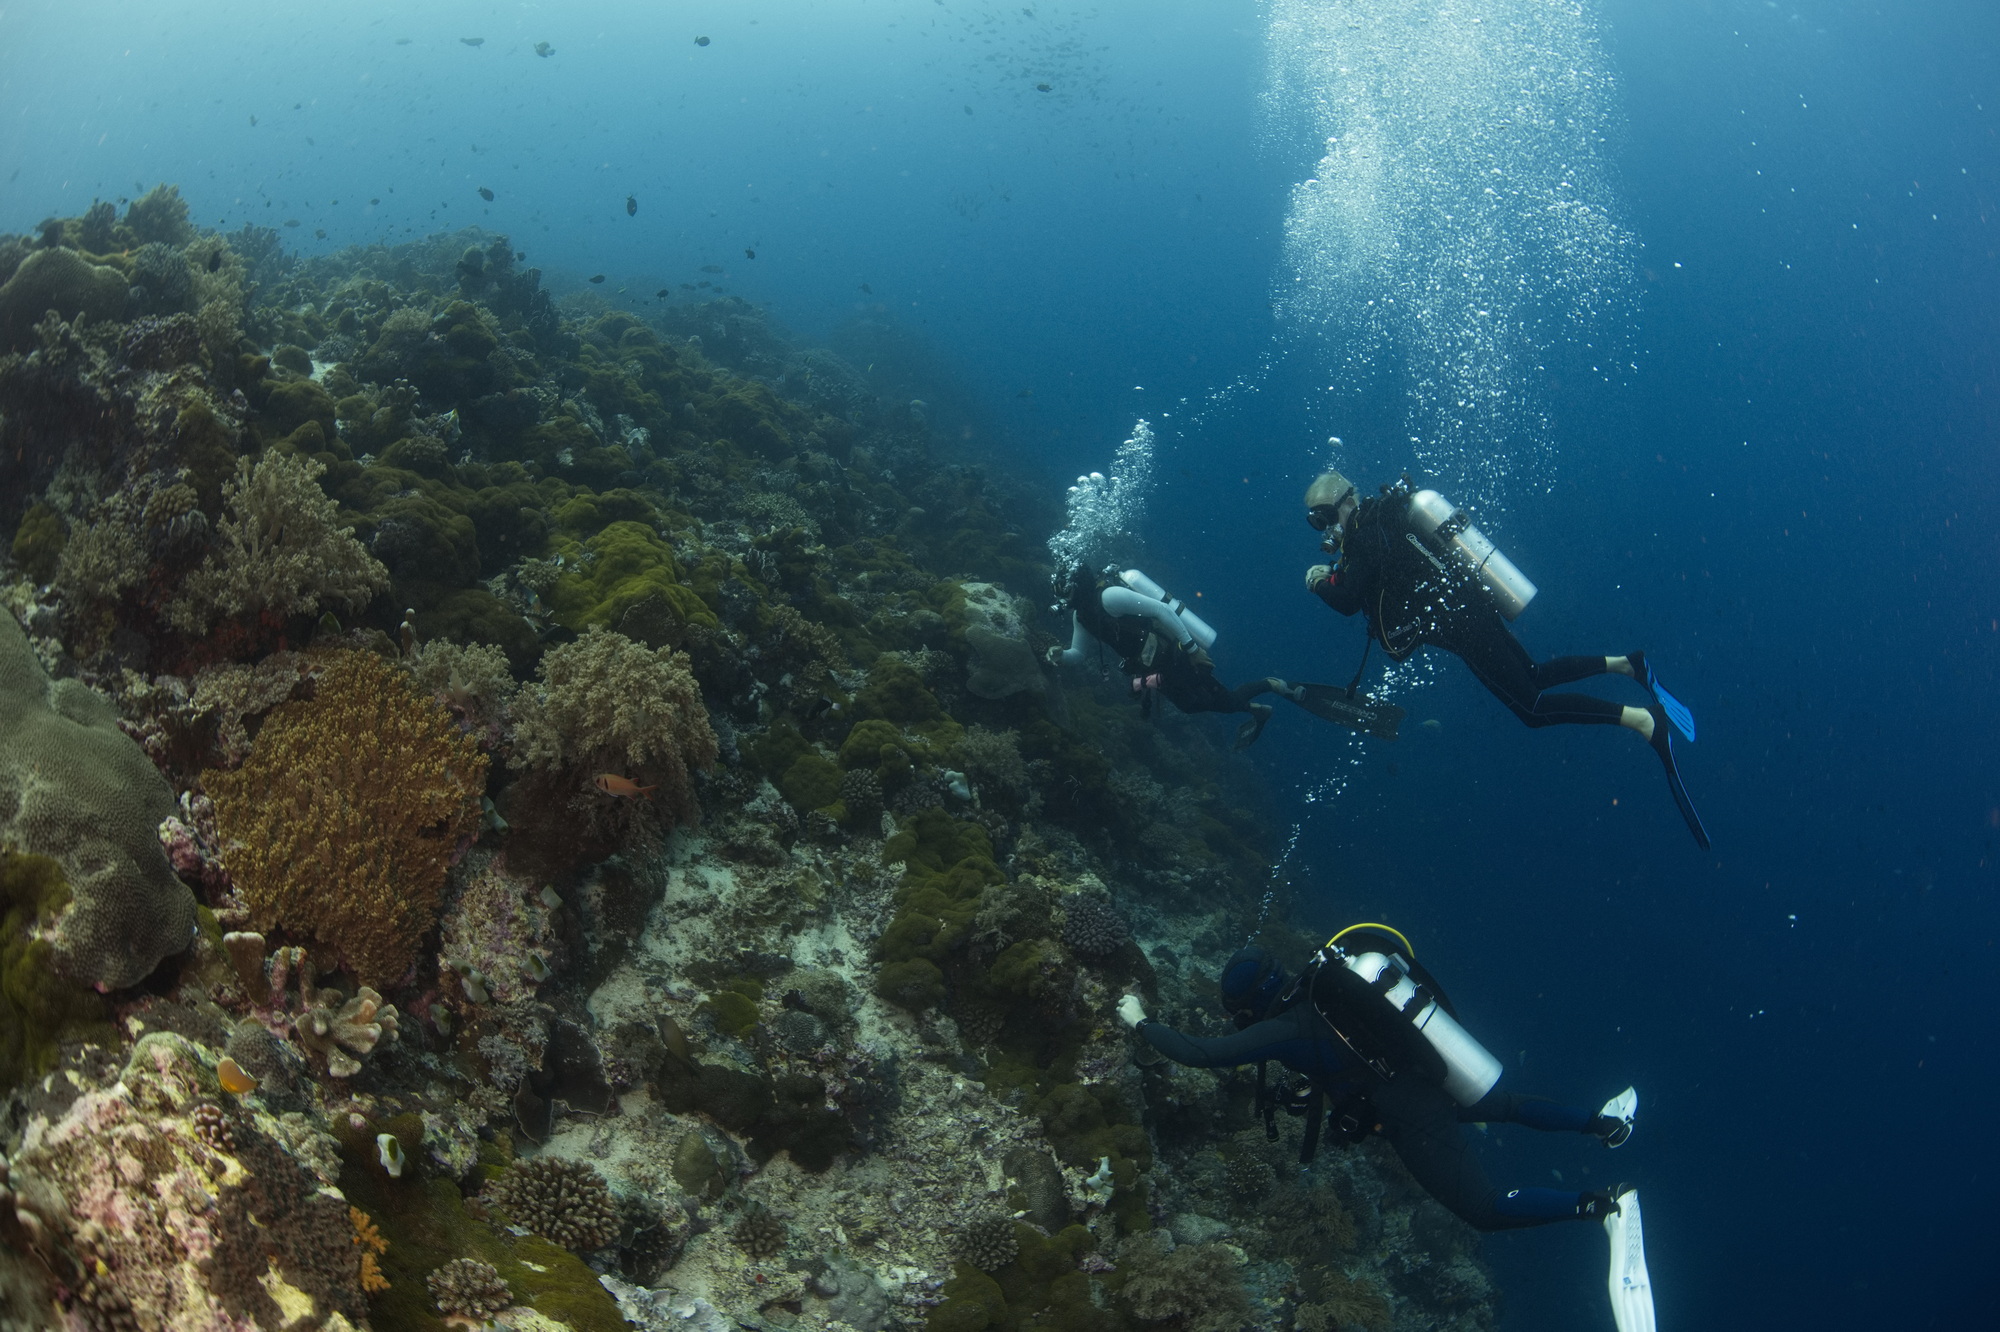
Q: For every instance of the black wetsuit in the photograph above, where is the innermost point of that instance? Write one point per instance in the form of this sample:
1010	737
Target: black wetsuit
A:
1186	678
1411	595
1417	1117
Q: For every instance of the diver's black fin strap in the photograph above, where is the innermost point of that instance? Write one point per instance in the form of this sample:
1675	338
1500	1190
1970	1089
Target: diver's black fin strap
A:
1315	1113
1367	646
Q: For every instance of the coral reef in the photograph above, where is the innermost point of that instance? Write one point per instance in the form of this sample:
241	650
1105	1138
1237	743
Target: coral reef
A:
368	786
76	789
672	686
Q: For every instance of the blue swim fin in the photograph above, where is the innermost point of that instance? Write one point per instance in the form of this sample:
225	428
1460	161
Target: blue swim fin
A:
1663	745
1677	712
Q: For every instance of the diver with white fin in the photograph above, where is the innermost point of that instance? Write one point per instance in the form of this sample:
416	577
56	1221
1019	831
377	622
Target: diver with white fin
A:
1380	1052
1162	646
1416	568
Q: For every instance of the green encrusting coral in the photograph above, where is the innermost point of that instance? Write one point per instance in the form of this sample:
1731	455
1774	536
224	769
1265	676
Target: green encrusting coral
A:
40	1010
427	1225
1041	1288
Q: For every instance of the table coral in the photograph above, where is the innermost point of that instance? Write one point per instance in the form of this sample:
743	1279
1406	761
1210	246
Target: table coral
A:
342	823
75	788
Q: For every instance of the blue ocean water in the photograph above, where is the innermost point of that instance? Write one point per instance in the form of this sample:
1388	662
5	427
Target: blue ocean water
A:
1742	414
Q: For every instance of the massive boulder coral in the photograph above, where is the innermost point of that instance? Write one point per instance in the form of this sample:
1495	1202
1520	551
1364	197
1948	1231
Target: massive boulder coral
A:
76	789
279	550
59	280
352	806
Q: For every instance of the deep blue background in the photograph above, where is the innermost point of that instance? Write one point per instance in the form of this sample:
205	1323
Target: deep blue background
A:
1790	503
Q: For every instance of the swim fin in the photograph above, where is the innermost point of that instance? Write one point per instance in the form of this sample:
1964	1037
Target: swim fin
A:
1631	1287
1358	713
1617	1116
1677	712
1663	745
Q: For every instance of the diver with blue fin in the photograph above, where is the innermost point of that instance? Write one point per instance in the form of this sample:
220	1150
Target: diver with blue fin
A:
1380	1052
1162	646
1414	566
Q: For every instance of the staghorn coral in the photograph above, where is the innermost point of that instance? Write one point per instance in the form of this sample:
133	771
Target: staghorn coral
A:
467	1288
279	551
342	823
76	789
989	1243
1093	927
606	704
1199	1286
560	1200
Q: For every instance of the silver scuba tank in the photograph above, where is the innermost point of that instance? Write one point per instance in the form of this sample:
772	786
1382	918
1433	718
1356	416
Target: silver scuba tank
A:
1446	526
1197	628
1470	1069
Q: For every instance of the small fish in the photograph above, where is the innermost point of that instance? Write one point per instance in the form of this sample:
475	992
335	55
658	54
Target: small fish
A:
598	278
623	787
486	194
253	120
1025	393
749	254
1043	87
704	283
664	292
631	205
402	41
473	41
687	286
701	41
291	221
233	1079
319	234
544	50
374	201
870	290
968	110
711	268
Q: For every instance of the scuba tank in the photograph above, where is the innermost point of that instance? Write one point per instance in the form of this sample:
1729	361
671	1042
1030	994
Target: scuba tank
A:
1146	597
1392	1015
1447	527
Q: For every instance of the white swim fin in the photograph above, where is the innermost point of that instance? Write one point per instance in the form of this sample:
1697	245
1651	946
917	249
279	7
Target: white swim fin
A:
1623	1107
1631	1287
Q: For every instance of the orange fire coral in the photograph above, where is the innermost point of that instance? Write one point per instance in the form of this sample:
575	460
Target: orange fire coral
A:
342	823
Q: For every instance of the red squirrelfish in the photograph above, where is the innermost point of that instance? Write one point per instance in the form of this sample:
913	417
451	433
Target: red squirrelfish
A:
613	785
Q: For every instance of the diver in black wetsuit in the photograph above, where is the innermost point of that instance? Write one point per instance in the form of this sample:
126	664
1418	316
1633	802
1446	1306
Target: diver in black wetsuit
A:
1159	647
1371	1073
1414	588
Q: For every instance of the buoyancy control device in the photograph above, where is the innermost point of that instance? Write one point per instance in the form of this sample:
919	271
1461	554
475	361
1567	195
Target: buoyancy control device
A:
1448	529
1142	596
1393	1015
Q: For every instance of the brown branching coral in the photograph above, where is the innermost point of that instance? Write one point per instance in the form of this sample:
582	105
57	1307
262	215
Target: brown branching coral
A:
469	1289
279	550
340	1028
560	1200
369	1240
1199	1286
606	704
351	807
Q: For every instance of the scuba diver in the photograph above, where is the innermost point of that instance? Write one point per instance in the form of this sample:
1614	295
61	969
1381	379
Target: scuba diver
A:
1415	567
1162	646
1375	1041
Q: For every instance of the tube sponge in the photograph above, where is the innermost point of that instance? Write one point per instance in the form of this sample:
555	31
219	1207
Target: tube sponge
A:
76	789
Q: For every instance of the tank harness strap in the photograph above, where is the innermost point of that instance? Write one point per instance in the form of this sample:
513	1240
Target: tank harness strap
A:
1315	1113
1267	1103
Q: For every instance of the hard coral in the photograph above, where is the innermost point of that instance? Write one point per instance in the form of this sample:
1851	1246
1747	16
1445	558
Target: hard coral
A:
560	1200
279	551
606	704
349	811
341	1028
1093	928
468	1288
75	788
59	280
989	1243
